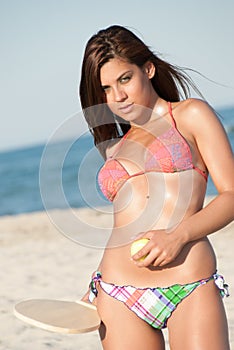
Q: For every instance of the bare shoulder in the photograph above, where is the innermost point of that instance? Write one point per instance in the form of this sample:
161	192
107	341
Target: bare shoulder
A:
193	107
196	115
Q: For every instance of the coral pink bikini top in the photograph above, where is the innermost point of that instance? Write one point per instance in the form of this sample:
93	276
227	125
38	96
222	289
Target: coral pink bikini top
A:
168	153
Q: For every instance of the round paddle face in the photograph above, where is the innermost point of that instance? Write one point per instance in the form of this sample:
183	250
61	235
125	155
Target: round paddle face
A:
58	315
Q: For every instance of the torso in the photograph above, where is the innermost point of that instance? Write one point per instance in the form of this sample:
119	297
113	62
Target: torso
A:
156	200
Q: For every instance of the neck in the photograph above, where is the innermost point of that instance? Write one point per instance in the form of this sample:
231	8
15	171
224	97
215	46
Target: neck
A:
158	110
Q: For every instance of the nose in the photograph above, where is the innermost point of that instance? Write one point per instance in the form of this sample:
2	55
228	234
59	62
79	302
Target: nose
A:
119	95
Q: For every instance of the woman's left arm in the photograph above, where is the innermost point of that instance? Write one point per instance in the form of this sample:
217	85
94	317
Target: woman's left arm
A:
216	152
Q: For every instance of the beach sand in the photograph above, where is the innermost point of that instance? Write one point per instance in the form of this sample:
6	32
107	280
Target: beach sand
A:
38	261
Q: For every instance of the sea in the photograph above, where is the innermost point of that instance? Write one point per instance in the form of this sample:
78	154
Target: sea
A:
62	174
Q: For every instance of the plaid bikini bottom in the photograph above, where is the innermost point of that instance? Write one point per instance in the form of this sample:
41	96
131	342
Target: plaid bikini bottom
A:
153	305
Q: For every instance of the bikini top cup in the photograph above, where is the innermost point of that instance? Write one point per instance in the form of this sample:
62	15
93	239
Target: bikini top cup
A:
168	153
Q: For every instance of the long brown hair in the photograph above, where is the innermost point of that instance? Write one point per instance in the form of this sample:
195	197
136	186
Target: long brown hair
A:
170	82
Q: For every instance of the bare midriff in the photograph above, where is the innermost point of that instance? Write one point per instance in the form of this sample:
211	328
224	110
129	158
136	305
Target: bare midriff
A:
155	201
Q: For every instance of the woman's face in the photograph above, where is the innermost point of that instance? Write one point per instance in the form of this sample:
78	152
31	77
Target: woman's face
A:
128	88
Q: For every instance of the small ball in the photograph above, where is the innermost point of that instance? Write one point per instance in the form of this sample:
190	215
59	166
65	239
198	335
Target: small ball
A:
138	245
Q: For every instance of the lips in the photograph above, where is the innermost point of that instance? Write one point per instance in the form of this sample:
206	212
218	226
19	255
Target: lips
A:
126	108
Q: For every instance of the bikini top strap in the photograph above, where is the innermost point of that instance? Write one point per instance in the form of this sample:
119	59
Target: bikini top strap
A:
171	114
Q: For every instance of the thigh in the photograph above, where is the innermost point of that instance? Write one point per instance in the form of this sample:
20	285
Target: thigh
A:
122	329
199	322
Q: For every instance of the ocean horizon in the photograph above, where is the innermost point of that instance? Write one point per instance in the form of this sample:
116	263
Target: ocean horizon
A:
63	174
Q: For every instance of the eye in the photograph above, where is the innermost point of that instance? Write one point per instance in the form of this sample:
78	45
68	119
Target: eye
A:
105	88
125	79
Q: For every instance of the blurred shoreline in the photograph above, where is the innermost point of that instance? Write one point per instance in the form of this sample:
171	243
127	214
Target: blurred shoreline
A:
62	174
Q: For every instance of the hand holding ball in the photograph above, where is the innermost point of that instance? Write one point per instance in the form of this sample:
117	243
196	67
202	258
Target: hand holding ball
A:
138	245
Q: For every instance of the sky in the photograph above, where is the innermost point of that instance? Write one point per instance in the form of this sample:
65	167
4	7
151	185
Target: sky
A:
42	44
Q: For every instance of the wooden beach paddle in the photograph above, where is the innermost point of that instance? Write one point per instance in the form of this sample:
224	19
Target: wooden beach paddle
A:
69	317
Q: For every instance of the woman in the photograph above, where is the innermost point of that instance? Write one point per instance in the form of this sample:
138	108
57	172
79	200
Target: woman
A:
158	151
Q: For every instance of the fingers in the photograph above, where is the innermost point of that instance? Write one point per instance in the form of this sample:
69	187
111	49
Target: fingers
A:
160	261
152	258
160	250
146	255
150	255
140	253
85	298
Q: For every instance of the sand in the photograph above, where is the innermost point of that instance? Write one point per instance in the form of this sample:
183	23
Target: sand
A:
38	261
